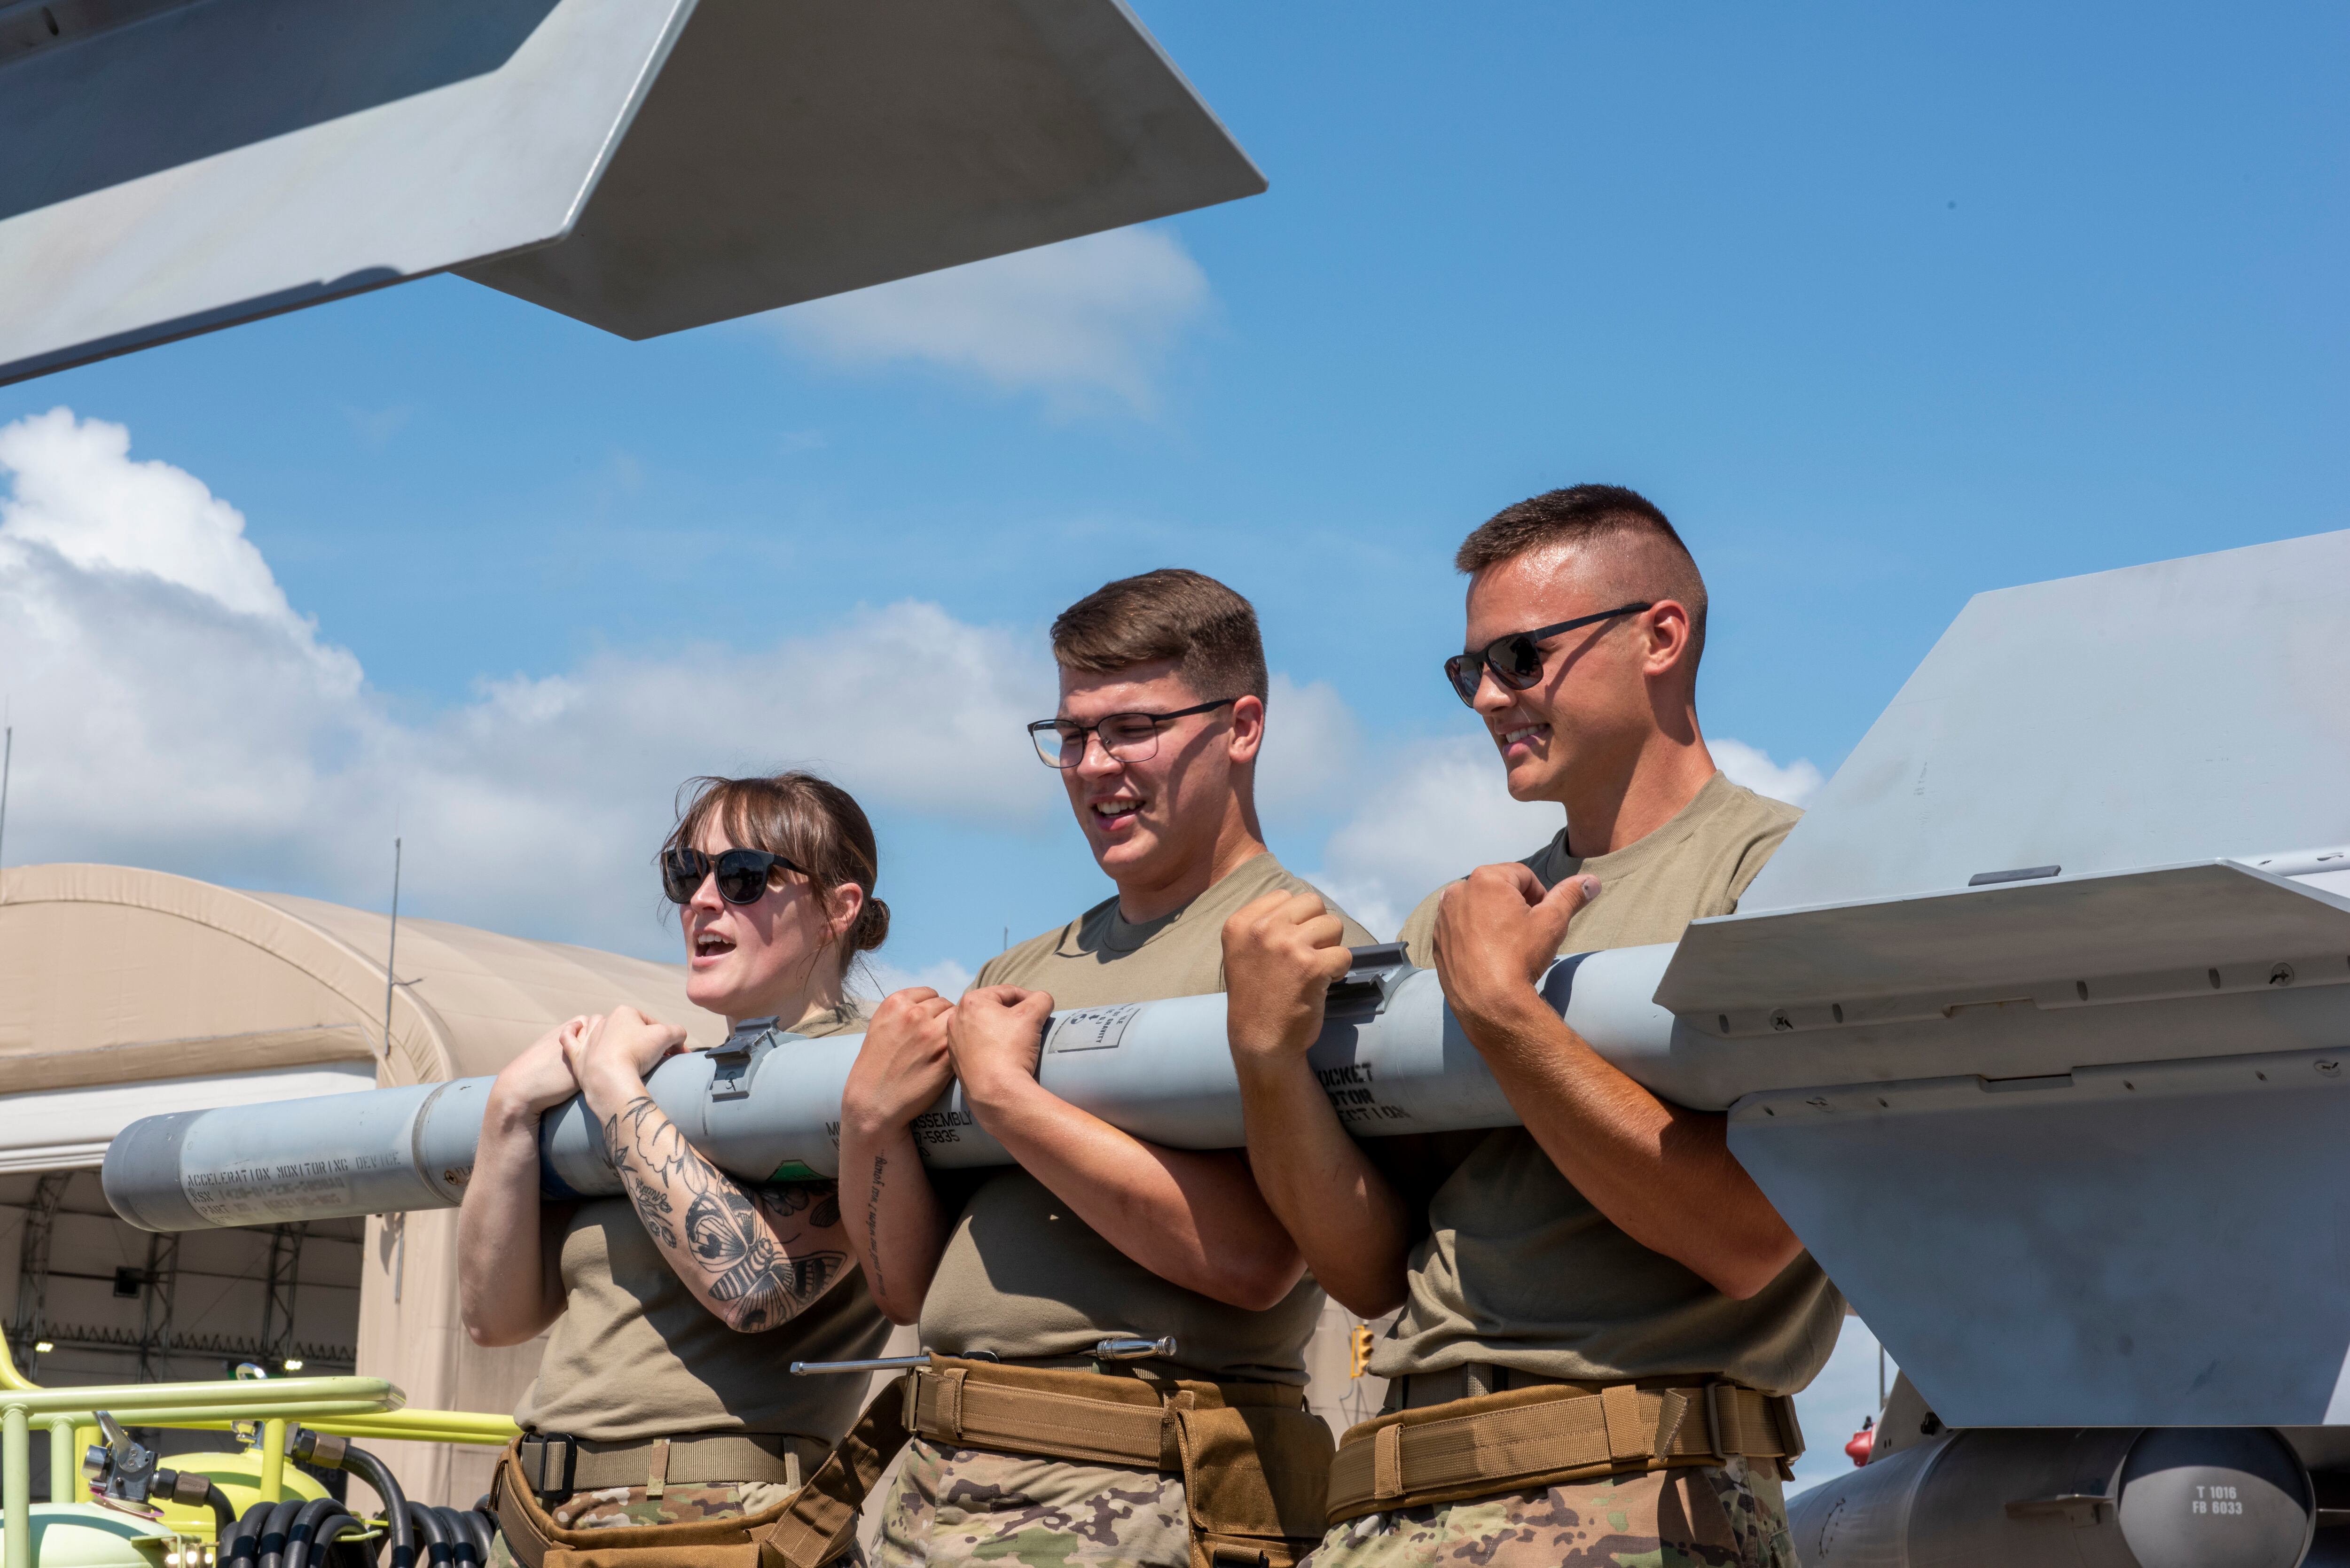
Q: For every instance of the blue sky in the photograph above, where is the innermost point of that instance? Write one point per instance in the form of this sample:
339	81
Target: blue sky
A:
1885	306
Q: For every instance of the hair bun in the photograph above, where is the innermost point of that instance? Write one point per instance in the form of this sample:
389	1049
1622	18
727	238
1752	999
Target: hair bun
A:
872	927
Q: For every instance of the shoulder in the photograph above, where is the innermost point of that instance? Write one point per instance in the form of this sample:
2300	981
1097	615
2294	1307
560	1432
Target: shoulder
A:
1752	827
1274	875
1417	933
1019	962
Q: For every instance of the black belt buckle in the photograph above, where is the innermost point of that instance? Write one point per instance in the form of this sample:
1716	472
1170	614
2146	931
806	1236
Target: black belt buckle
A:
565	1453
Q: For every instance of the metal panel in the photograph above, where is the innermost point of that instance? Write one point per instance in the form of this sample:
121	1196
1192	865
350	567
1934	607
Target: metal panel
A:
2157	1244
207	161
2192	710
228	158
2135	934
793	150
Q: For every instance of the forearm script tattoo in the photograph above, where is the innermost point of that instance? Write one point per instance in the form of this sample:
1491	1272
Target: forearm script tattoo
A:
746	1246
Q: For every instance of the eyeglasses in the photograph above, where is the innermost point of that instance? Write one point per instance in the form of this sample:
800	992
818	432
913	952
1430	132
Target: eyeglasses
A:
742	874
1127	737
1516	661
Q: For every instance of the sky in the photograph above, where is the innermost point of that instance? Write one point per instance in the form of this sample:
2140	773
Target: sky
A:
1884	305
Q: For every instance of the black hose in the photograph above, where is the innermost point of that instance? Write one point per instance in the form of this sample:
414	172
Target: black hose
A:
224	1511
357	1461
272	1546
243	1538
315	1512
466	1550
484	1526
332	1533
439	1547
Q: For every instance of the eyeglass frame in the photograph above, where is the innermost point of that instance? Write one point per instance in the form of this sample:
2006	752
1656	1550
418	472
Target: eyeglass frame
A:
1484	657
715	865
1088	733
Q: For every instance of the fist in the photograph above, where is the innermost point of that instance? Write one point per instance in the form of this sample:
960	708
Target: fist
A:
540	1078
1282	952
904	1065
994	1037
612	1055
1497	931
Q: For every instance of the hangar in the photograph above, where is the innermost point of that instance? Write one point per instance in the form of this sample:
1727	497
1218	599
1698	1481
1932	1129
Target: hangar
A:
125	993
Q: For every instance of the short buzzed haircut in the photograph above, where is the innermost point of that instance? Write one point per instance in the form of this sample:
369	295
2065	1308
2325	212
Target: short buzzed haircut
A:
1206	628
1617	526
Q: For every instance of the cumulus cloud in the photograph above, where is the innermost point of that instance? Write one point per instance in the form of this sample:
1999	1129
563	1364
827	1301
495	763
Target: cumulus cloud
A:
1795	784
1437	808
173	710
1077	321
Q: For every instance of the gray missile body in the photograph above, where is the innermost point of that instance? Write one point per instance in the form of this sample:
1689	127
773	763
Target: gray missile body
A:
767	1107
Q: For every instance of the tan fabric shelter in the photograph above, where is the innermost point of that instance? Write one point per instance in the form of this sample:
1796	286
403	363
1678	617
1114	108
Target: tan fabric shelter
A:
124	993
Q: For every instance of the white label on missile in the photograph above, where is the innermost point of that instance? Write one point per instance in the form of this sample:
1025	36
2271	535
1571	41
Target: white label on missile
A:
1092	1028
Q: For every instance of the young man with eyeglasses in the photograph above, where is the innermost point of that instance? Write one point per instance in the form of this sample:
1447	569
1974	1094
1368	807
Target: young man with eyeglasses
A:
1049	1453
1602	1315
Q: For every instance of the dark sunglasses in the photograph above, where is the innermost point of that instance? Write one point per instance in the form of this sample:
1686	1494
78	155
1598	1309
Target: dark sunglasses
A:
742	874
1516	661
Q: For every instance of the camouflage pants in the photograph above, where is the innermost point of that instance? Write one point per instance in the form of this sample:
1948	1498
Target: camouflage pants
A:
612	1506
1732	1517
970	1506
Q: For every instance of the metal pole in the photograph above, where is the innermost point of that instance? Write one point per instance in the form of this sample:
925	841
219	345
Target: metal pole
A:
16	1482
391	951
65	1468
272	1460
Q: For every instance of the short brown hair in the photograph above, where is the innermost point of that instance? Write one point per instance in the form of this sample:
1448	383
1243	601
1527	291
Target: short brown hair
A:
1206	628
810	821
1588	516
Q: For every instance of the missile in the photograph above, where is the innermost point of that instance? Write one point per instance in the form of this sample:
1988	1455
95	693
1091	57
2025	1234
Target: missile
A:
766	1106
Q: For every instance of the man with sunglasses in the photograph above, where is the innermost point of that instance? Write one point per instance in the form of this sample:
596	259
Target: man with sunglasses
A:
1098	1233
1602	1315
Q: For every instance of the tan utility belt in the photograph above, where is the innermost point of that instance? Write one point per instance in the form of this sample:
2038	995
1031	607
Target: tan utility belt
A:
553	1464
810	1528
1253	1460
1542	1436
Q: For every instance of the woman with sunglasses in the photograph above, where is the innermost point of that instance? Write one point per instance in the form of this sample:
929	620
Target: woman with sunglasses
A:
672	1312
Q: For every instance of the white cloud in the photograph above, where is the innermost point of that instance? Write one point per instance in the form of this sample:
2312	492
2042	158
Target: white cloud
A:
171	709
1794	784
1312	745
1438	808
1076	320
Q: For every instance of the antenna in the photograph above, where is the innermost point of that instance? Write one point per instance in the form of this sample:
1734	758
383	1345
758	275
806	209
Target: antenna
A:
391	951
8	756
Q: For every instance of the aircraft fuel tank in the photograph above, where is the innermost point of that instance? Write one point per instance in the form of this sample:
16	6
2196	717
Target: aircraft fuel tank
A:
2174	1497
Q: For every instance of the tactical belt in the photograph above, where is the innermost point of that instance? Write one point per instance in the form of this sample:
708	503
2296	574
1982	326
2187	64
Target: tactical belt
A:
1253	1460
1542	1436
553	1465
810	1528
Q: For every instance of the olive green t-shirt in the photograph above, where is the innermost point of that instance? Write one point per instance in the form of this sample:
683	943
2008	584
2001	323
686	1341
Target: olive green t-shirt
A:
635	1356
1519	1270
1022	1274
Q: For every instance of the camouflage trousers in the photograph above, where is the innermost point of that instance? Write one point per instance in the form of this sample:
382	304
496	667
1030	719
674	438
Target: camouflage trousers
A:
971	1506
612	1506
1731	1517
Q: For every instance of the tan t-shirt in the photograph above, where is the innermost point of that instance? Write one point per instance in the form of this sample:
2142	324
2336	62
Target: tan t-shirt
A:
1519	1268
1022	1275
635	1356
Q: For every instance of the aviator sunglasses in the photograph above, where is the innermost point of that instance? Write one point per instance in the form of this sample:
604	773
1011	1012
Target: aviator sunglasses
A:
1516	661
741	872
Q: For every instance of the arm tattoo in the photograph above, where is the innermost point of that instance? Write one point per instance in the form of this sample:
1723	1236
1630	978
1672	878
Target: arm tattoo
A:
873	1223
736	1243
